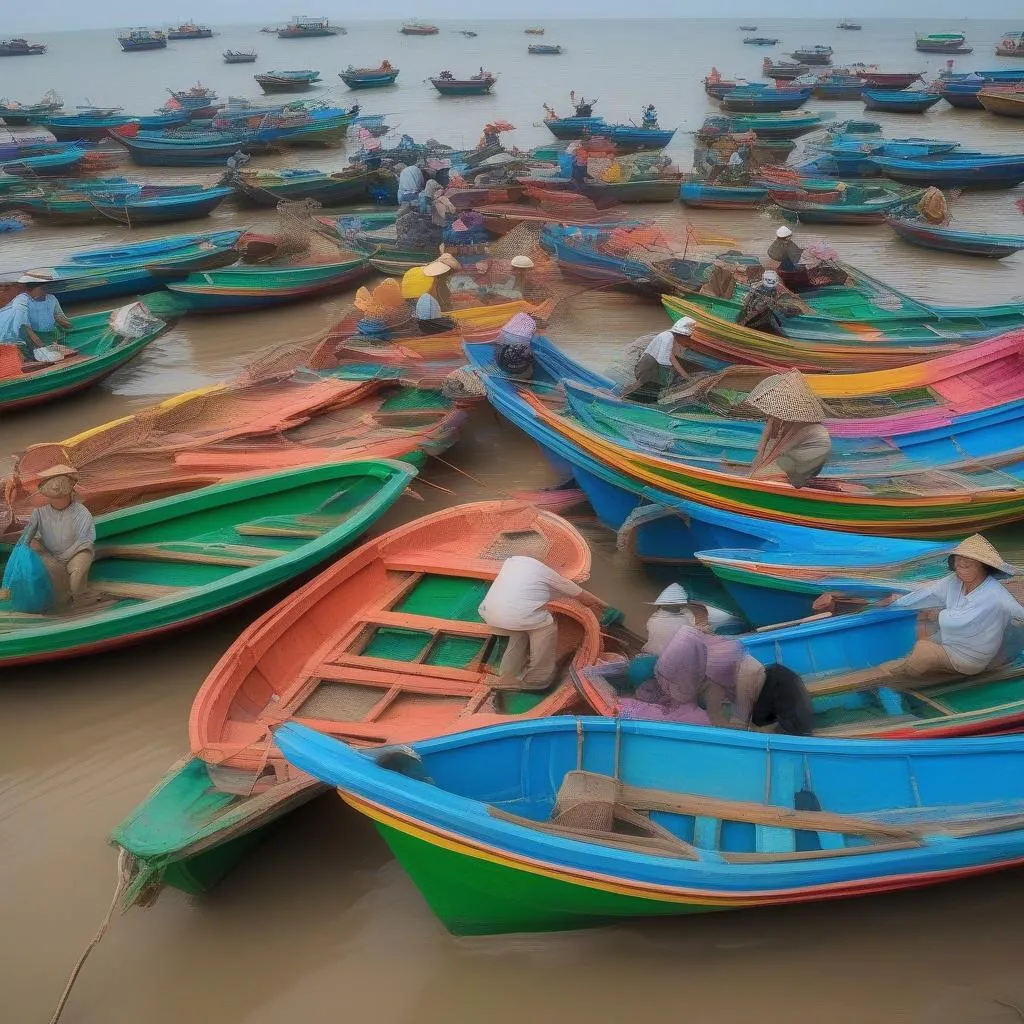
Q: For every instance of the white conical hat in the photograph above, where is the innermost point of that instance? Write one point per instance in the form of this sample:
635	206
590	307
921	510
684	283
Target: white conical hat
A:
672	594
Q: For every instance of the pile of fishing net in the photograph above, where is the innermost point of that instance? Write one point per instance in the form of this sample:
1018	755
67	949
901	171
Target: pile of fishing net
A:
641	167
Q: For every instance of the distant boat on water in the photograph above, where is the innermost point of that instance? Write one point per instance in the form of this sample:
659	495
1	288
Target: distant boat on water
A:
850	26
142	39
418	28
20	48
190	30
240	56
303	27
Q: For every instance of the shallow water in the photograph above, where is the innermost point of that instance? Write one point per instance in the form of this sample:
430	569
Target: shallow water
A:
321	924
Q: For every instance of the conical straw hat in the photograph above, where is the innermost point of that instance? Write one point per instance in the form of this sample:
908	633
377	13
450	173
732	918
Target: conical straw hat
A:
787	396
980	550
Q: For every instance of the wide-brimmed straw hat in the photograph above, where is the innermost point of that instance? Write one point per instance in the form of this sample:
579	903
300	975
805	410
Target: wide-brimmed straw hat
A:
522	263
787	396
981	550
436	269
673	594
61	469
449	261
29	279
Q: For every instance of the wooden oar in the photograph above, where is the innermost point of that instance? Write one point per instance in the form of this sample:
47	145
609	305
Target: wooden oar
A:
228	555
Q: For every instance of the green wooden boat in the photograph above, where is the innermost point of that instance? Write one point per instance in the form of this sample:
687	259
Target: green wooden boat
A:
100	352
172	563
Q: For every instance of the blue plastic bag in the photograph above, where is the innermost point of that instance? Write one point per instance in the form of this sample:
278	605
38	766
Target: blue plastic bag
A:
28	581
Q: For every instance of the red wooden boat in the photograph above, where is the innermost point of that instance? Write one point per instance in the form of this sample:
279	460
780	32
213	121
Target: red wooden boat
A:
888	79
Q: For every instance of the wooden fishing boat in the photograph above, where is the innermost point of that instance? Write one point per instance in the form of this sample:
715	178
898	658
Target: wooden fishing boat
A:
137	39
240	289
765	100
60	164
478	85
949	239
849	26
741	197
816	55
98	352
899	102
164	152
418	28
1006	102
761	41
190	30
369	78
663	189
955	170
400	654
258	187
488	825
303	27
21	48
545	49
535	31
287	81
133	269
962	94
856	205
143	205
837	87
174	562
16	114
786	125
240	56
1011	45
91	124
888	79
162	121
943	42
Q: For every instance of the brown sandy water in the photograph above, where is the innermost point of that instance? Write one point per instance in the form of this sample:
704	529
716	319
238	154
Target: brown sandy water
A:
320	924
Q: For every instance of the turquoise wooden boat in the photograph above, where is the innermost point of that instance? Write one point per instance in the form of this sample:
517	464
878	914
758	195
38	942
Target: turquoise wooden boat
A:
99	353
856	205
141	204
172	563
682	820
368	78
899	102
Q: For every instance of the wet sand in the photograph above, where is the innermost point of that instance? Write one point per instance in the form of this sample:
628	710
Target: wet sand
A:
320	924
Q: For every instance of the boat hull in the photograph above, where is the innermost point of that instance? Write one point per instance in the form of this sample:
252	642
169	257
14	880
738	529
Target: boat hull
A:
370	81
1009	105
966	243
466	88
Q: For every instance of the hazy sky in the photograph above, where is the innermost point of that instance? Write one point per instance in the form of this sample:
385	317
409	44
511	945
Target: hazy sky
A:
57	15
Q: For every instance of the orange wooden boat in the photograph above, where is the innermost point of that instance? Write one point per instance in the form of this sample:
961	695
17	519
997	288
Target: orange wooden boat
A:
386	646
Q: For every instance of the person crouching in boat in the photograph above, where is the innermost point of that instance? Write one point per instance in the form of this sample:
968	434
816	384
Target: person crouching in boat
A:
30	321
515	606
513	351
784	252
795	442
698	674
673	609
964	616
63	534
431	303
767	304
661	362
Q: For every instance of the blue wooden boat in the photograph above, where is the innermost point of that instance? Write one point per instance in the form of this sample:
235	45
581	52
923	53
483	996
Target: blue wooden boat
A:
962	93
92	124
838	87
287	81
164	153
857	204
955	170
839	165
46	165
722	197
949	239
545	49
477	85
570	128
137	268
143	204
761	41
899	102
813	54
775	126
368	78
765	100
163	120
717	90
698	819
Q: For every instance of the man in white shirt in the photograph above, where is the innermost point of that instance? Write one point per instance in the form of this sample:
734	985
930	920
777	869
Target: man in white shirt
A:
515	604
675	609
660	361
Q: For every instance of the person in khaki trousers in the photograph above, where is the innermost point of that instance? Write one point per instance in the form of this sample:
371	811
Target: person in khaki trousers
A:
63	533
515	606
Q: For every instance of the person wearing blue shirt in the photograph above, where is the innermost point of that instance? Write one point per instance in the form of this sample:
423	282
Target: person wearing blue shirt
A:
30	317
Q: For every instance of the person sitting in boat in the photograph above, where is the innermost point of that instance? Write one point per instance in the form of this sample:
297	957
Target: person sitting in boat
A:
62	532
515	605
513	350
766	304
649	117
795	443
386	67
410	183
784	252
736	171
661	362
969	611
30	321
431	303
699	674
673	608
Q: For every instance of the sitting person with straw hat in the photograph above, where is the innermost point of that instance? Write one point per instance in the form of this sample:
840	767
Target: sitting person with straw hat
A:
30	320
673	608
784	252
660	362
63	533
970	610
431	301
515	605
795	443
767	304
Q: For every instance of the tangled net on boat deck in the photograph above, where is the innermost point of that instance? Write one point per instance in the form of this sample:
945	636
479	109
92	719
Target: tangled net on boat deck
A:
300	237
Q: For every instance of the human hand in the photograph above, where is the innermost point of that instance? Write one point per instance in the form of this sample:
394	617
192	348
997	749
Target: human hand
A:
929	615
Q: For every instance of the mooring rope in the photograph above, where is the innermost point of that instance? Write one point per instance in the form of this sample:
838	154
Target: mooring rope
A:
124	872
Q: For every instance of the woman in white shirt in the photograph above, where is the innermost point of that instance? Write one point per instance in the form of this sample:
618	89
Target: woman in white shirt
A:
660	361
971	610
